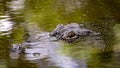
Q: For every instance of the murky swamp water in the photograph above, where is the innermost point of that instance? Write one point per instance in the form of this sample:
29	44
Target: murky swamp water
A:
27	22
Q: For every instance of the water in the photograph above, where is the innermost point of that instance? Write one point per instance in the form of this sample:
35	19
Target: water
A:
27	22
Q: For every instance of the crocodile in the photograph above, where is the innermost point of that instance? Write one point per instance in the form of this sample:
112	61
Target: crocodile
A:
71	32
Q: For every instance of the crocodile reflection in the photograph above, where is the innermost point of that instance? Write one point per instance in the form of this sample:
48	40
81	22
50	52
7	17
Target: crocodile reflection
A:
44	49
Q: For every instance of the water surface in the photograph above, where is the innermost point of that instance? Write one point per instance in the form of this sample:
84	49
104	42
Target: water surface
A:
28	22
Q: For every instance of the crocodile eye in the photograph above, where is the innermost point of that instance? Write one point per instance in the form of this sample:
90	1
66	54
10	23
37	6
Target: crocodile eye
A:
71	34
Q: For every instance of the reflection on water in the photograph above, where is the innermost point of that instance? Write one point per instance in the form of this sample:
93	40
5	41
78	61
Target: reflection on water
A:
16	5
26	23
5	26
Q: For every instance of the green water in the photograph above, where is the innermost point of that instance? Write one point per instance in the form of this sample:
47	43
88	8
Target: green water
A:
30	17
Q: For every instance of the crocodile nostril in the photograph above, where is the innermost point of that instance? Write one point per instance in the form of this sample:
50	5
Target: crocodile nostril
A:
88	32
